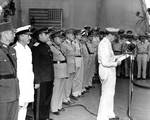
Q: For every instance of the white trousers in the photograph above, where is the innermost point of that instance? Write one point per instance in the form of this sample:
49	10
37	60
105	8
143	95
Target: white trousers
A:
22	112
78	79
106	106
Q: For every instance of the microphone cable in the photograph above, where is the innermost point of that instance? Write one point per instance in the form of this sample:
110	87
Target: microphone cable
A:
83	106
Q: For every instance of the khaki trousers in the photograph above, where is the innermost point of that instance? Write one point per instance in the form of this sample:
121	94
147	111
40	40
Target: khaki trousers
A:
58	94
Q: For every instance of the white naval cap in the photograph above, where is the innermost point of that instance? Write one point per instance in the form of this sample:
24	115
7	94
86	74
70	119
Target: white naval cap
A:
111	29
22	30
1	9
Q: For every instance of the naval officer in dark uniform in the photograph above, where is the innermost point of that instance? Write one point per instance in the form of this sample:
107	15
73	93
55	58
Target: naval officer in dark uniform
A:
9	86
44	74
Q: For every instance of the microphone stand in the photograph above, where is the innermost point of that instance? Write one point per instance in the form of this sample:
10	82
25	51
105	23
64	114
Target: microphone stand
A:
130	90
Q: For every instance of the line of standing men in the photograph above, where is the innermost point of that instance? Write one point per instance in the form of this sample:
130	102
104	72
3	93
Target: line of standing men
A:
72	58
141	53
58	68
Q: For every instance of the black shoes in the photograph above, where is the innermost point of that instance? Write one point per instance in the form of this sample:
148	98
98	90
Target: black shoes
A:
67	103
138	78
141	78
29	117
56	113
116	118
62	109
73	97
87	88
49	119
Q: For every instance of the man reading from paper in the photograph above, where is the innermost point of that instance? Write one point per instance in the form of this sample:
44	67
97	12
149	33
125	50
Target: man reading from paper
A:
107	72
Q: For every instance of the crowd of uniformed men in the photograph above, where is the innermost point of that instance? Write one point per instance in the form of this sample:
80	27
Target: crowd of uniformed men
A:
64	64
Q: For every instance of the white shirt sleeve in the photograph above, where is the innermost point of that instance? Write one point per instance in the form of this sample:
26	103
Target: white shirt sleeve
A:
105	56
1	9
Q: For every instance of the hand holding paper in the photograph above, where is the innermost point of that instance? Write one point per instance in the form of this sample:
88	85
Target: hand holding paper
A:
121	58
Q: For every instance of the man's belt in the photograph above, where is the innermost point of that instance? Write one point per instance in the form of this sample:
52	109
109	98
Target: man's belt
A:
143	53
9	76
78	56
91	53
117	52
58	62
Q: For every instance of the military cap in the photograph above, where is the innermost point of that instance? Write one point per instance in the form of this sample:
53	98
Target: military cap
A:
102	32
129	32
59	33
23	30
121	31
41	30
111	30
90	33
70	31
148	34
5	26
148	10
95	31
84	33
142	37
77	32
86	27
51	30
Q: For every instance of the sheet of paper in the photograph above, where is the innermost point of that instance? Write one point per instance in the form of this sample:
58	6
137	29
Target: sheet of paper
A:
123	57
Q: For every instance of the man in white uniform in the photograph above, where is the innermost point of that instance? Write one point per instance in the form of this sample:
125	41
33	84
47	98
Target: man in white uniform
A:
107	72
24	70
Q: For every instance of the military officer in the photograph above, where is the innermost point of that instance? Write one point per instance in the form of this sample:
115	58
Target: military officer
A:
86	54
143	48
92	53
24	69
43	74
9	85
95	42
69	51
60	73
77	86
